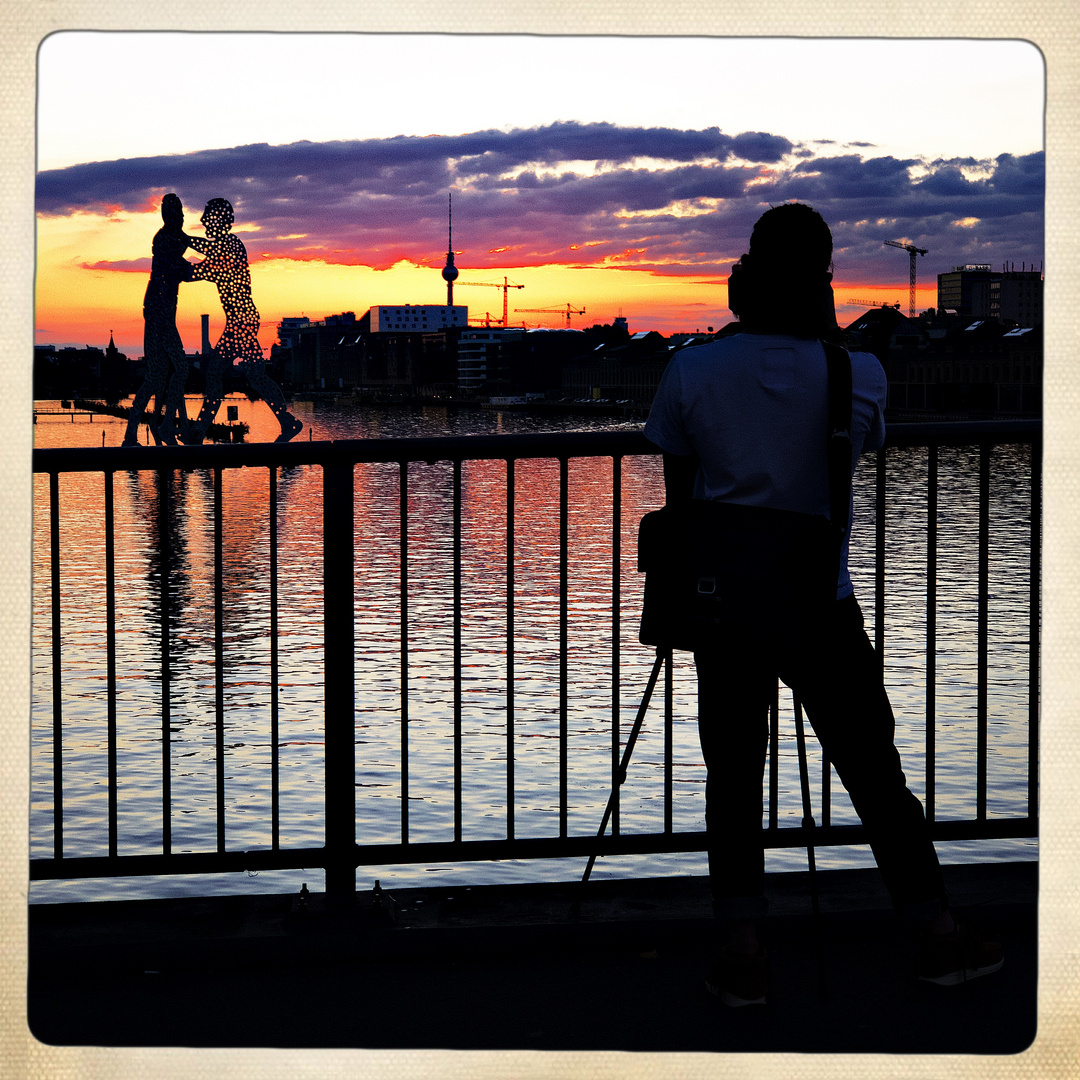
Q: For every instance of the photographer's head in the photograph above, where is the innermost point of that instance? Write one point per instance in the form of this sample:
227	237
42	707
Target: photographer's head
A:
783	284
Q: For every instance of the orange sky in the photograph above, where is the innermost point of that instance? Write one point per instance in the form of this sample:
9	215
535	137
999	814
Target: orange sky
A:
78	304
616	190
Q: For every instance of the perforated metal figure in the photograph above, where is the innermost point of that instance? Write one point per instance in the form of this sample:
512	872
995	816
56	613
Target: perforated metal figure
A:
225	263
163	349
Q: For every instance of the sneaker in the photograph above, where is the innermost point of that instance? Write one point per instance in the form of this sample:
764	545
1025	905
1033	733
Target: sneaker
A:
951	959
739	980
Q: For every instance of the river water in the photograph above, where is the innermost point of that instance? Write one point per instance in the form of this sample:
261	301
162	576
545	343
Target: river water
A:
536	615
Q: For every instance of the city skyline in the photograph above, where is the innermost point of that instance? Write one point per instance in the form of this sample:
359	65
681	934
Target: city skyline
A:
612	209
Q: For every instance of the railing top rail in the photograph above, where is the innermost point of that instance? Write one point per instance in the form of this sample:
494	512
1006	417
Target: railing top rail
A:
345	451
963	432
462	448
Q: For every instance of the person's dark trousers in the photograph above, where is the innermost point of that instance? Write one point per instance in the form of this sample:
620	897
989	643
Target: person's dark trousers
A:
837	676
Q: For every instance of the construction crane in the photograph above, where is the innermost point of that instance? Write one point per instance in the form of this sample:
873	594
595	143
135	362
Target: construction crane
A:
912	250
505	286
873	303
485	319
554	310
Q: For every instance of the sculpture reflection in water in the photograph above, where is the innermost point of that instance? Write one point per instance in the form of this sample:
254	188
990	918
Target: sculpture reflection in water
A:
163	350
225	263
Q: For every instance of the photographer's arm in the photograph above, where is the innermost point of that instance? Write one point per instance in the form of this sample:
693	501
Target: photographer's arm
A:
680	471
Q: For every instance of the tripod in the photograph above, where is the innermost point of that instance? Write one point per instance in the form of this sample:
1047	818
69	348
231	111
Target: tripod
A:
620	779
808	823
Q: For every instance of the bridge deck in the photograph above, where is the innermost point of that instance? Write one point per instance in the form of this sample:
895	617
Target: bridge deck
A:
509	967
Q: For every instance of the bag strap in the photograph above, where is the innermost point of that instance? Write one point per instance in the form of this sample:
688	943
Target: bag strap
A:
838	361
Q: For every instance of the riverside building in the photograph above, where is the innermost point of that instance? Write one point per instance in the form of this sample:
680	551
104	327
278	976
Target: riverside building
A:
417	317
976	291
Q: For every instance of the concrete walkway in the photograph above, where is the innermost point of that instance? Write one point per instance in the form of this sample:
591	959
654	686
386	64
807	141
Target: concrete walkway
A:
512	967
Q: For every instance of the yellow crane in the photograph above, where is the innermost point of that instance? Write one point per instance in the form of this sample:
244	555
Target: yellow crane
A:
553	311
912	250
505	286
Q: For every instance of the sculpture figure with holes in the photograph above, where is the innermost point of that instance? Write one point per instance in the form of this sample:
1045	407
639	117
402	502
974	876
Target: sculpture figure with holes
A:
225	263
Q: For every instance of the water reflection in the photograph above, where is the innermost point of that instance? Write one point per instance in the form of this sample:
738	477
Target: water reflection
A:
189	611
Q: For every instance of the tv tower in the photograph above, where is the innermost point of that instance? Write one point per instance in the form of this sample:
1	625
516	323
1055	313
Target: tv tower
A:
449	271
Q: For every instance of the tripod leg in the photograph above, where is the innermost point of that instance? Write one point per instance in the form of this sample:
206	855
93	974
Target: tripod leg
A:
808	825
653	676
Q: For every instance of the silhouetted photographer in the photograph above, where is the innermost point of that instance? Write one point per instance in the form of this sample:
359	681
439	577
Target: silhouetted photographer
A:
747	567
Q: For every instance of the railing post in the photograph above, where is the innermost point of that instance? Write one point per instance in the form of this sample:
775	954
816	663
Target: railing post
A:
564	645
339	678
403	654
275	794
983	633
511	796
165	544
57	674
457	649
879	558
219	654
931	629
616	617
110	656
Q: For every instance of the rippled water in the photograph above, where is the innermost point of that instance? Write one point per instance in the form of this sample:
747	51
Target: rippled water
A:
536	615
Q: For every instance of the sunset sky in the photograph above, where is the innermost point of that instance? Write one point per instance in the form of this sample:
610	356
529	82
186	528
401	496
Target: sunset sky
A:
619	174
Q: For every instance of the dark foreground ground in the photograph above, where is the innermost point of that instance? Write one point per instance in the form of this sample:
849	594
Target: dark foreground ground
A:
509	967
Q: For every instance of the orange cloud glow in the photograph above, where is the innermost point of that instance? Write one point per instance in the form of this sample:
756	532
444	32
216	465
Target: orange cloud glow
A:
93	268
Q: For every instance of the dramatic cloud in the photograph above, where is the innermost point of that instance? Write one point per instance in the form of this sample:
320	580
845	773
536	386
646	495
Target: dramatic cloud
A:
677	202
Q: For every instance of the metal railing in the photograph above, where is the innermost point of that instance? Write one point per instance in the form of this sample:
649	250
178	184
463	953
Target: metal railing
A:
341	855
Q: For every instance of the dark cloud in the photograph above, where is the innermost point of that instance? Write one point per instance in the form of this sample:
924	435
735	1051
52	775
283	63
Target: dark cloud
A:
1019	175
846	177
388	166
757	146
519	199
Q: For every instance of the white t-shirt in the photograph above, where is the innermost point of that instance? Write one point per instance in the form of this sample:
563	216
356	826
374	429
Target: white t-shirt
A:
754	409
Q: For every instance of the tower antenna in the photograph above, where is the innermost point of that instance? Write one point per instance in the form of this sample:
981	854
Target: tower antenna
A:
450	271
